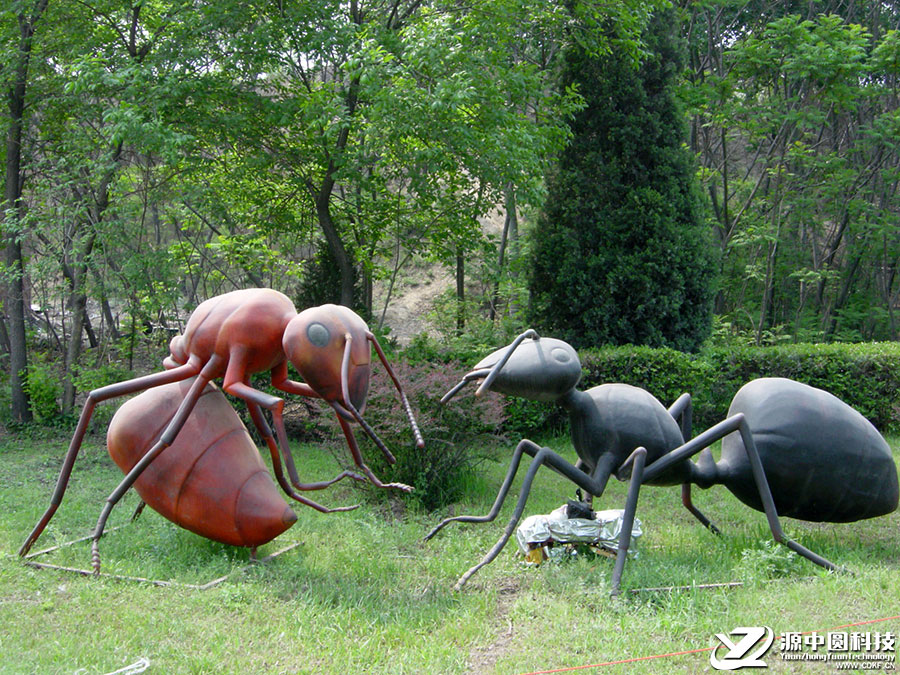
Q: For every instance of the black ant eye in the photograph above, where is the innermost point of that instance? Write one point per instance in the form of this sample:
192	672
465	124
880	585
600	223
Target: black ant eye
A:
318	334
560	355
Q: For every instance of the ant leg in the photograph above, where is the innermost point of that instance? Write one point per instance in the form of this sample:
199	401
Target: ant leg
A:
166	439
254	398
420	442
266	432
544	456
739	423
191	368
236	383
588	497
264	429
358	460
524	446
138	511
599	478
689	505
637	459
765	494
681	410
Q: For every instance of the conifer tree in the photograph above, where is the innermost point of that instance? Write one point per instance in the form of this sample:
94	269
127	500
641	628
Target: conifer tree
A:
620	251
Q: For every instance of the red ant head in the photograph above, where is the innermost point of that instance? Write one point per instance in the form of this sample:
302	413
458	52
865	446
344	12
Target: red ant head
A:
316	340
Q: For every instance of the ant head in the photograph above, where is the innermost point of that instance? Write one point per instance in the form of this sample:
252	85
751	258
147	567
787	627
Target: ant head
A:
323	341
540	369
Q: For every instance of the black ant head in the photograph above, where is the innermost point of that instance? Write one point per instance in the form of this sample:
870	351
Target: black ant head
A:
539	369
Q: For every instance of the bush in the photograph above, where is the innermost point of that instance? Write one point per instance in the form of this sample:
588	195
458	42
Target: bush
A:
865	376
456	434
44	389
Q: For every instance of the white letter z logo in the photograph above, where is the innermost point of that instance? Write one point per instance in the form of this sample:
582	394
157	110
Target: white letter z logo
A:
734	659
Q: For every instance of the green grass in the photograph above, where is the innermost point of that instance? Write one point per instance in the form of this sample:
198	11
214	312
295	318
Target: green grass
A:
361	593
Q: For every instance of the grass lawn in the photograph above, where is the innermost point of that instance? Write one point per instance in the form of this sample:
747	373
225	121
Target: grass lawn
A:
362	594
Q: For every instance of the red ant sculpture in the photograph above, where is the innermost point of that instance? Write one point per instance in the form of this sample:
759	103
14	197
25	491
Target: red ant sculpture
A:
236	335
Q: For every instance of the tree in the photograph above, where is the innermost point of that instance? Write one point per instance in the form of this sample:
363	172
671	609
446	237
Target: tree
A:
794	112
619	252
16	79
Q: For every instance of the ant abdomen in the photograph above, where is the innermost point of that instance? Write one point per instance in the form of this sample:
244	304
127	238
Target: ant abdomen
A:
211	480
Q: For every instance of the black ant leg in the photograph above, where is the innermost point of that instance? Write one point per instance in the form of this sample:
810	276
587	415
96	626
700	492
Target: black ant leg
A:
637	459
543	456
682	410
524	447
738	423
689	505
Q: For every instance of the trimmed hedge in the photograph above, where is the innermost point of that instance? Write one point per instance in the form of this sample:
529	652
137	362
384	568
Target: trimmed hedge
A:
866	375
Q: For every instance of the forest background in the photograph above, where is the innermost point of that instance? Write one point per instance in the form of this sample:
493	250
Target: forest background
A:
161	152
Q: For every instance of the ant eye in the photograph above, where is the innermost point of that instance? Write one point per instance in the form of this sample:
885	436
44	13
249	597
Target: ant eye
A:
560	355
318	334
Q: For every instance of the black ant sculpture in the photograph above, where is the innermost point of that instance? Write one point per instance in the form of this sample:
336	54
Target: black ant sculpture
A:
799	451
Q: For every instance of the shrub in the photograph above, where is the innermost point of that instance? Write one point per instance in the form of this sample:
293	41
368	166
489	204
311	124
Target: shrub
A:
865	376
456	434
44	389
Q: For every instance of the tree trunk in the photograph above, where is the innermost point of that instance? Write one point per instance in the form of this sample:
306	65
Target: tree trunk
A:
345	265
15	288
460	292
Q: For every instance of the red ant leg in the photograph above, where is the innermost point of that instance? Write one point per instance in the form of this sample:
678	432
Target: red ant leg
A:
258	419
357	458
266	432
168	437
191	368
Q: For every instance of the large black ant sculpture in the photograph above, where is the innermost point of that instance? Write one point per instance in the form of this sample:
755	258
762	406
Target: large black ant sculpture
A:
799	451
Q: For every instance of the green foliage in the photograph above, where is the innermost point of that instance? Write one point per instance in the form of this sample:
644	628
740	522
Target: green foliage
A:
44	389
321	281
793	123
866	376
770	560
455	433
620	251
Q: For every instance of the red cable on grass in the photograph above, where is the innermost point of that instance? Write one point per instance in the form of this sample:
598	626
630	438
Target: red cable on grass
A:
690	651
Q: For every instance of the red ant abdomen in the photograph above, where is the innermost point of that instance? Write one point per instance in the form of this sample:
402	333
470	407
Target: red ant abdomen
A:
211	480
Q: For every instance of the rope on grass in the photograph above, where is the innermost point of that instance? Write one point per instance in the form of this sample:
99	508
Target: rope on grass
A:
138	666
